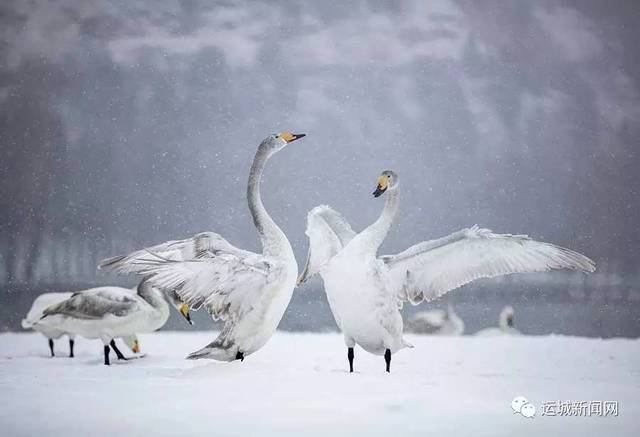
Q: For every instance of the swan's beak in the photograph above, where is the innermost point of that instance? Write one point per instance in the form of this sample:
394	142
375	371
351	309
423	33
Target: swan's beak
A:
184	310
383	184
290	138
136	347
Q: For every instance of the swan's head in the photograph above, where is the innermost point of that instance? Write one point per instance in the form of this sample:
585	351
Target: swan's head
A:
182	307
388	180
276	142
132	343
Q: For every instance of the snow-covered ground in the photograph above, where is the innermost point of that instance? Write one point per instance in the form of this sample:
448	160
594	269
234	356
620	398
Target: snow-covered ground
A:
297	385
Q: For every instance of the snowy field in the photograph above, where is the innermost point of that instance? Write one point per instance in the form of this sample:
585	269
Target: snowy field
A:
297	385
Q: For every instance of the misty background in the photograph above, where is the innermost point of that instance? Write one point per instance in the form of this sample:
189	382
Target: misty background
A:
125	124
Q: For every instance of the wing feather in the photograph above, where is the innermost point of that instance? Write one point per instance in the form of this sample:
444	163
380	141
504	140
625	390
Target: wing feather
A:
94	305
430	269
205	271
328	233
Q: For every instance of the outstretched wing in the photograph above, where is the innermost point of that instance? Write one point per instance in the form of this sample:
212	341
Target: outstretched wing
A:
430	269
94	305
200	245
205	271
328	233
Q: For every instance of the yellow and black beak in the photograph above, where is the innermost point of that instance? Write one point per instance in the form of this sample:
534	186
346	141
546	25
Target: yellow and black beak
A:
136	347
289	137
383	184
184	310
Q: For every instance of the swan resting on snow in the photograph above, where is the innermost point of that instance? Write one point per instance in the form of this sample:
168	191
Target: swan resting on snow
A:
436	322
365	291
248	291
111	312
46	300
505	325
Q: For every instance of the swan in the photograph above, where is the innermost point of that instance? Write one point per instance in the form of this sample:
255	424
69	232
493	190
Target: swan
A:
436	322
44	301
110	312
505	325
248	291
366	291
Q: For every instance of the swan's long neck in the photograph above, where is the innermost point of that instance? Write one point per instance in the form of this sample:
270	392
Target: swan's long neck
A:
153	297
274	242
378	230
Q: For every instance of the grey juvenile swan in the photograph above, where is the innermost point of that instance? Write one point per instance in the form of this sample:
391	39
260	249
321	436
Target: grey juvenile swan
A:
45	300
365	291
248	291
111	312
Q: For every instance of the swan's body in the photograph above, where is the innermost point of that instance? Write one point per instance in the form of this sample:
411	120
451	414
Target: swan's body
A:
505	325
110	312
436	322
366	291
248	291
35	314
53	332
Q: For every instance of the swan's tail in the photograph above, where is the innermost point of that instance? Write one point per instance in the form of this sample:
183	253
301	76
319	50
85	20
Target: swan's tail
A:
27	324
213	351
405	343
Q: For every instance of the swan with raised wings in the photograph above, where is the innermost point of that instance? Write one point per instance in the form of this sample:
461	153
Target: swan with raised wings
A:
365	291
248	291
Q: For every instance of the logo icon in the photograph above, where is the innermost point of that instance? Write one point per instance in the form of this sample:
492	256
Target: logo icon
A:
521	405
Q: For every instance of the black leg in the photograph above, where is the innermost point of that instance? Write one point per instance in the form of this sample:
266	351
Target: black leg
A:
106	354
350	356
71	343
117	351
387	359
240	356
51	347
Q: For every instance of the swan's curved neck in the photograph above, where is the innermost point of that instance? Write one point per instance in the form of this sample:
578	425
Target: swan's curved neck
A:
378	230
152	296
272	237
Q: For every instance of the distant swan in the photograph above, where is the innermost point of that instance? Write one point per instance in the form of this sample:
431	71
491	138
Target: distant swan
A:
46	300
365	291
111	312
249	291
436	322
505	325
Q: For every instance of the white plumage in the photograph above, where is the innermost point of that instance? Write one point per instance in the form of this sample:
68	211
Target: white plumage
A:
248	291
506	325
365	291
436	322
53	332
110	312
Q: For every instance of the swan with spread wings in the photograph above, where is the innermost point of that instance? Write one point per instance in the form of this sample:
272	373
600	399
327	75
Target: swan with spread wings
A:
248	291
365	291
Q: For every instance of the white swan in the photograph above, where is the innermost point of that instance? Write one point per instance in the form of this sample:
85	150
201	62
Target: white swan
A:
365	291
436	322
111	312
505	325
249	291
46	300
